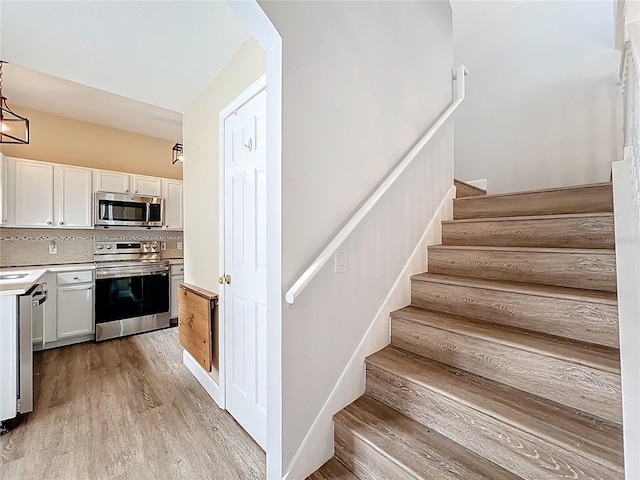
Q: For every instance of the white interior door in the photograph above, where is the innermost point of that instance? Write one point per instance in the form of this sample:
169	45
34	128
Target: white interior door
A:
245	261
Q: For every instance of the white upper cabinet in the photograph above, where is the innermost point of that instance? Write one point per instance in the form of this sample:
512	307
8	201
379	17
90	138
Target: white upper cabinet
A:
73	194
112	182
46	195
3	191
41	194
147	186
126	183
173	216
32	193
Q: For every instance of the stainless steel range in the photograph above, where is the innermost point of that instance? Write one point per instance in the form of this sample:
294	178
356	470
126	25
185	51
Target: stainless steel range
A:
132	288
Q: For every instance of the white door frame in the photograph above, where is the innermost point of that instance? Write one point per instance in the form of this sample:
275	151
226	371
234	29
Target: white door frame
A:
254	89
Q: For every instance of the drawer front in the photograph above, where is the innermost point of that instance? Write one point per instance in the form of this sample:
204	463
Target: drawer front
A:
69	278
177	269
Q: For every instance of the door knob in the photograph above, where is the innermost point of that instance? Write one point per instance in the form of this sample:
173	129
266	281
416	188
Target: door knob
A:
225	279
221	280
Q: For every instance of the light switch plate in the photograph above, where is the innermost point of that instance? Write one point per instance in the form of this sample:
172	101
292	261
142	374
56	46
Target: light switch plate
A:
53	249
163	245
341	258
179	246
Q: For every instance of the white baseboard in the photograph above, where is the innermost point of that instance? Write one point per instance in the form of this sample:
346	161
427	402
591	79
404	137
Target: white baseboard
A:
203	377
317	446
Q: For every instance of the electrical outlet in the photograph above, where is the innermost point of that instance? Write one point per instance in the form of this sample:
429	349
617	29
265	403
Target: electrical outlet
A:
163	245
53	248
179	246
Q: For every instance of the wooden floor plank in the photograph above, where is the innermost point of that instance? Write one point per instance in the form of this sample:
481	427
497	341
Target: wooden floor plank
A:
585	315
525	434
401	447
583	376
129	409
332	470
589	230
591	269
554	201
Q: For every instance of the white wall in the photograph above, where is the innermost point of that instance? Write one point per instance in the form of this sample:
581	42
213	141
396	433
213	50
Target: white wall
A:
628	272
361	81
201	165
543	106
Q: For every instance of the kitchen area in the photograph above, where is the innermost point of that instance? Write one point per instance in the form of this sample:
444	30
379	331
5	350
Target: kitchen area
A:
86	255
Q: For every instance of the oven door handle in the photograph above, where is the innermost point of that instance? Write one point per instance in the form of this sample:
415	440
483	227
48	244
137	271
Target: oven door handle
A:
103	275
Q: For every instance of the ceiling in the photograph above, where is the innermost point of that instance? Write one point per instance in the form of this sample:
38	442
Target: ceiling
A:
135	65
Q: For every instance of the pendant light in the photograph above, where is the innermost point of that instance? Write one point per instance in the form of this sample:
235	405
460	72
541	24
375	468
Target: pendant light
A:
178	154
13	127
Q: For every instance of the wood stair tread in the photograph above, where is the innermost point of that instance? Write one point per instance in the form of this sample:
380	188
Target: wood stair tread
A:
559	216
332	470
418	451
589	437
590	296
595	356
464	189
543	190
548	250
554	201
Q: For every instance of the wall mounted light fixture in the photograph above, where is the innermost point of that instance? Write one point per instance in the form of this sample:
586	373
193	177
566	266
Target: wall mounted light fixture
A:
178	154
13	127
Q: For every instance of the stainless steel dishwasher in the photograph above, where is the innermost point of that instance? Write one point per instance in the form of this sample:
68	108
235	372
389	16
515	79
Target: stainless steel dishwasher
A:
29	309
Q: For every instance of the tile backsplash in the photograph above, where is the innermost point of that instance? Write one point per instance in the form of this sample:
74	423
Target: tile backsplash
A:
30	246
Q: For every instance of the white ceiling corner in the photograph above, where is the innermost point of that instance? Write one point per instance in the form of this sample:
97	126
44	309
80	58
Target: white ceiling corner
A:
136	65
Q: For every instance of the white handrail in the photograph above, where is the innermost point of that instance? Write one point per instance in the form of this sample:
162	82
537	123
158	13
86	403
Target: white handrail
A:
353	222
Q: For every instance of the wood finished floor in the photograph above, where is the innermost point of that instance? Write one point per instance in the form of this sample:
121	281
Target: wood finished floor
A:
125	409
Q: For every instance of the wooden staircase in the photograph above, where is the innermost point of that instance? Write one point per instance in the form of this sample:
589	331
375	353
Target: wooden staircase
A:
506	363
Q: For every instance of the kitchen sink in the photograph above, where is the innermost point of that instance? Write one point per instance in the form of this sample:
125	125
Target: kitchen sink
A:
12	276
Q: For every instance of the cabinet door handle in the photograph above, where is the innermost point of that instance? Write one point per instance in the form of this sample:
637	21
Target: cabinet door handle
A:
135	191
48	222
76	278
126	191
61	223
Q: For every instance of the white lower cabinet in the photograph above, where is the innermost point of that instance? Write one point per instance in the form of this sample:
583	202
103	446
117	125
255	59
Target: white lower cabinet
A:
177	277
68	311
75	311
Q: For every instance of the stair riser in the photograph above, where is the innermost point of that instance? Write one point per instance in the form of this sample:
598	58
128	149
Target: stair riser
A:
364	460
594	271
506	445
592	232
577	386
466	190
590	322
593	199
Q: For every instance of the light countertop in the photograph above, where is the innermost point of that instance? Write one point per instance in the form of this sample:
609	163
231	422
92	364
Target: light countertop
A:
19	286
175	261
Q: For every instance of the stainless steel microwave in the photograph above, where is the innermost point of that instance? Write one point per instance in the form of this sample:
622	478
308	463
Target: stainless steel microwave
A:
118	210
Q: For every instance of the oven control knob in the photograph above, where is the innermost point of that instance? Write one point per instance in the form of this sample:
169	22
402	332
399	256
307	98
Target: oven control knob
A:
99	246
108	247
